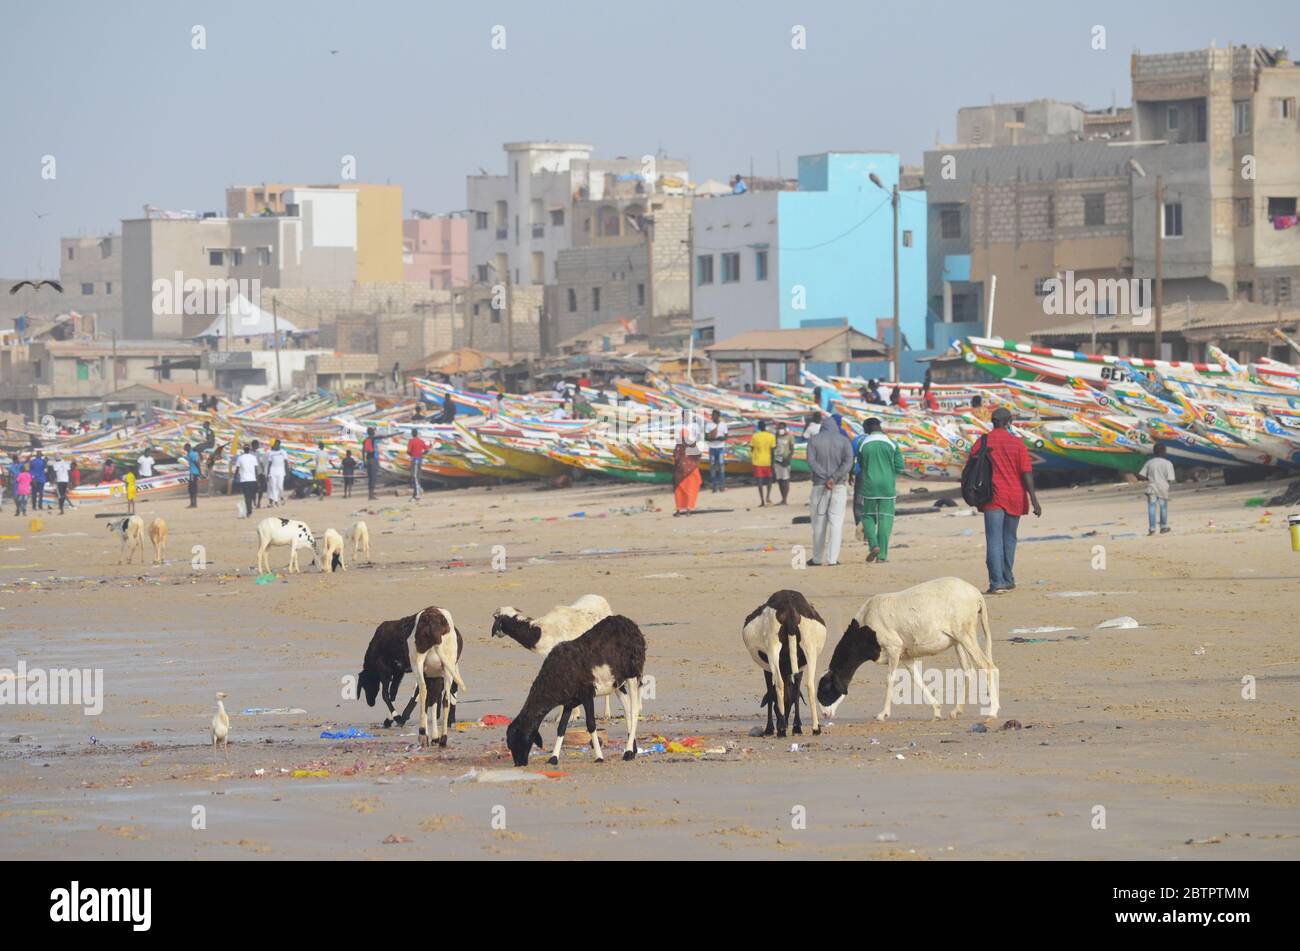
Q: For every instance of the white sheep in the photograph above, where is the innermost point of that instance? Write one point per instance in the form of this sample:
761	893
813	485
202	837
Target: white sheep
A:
919	621
131	531
332	551
276	531
158	536
437	648
360	535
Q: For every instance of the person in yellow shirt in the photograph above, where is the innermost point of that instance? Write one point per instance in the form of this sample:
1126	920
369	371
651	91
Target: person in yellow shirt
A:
129	479
760	454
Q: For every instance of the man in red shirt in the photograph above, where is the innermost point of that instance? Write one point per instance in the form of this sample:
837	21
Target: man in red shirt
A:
1013	493
416	448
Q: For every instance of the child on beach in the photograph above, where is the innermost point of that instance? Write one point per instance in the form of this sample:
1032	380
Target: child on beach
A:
22	490
129	480
349	473
1159	474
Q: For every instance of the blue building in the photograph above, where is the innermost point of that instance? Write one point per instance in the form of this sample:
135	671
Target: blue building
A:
819	256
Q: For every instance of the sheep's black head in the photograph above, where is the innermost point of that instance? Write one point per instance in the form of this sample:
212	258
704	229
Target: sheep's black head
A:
831	689
336	561
498	620
856	647
368	684
520	742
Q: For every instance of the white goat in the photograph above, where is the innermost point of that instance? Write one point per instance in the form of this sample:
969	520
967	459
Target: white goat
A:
565	622
276	531
131	531
360	535
158	536
919	621
332	551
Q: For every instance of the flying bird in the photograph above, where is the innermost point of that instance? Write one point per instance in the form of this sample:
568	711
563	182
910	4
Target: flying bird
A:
36	286
334	52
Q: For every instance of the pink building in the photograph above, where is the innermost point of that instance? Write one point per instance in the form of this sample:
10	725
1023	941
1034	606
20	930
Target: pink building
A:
435	251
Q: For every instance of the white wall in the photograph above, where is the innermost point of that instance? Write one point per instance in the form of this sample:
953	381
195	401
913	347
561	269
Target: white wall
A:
736	223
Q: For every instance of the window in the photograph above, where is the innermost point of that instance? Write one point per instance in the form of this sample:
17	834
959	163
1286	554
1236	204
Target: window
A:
1094	210
1242	206
496	313
1245	290
216	258
106	248
83	370
595	298
1040	286
72	253
1281	208
1173	224
264	257
704	269
236	257
108	287
760	265
1282	108
730	267
1171	119
1283	285
950	224
907	239
481	273
87	289
557	217
573	301
480	220
1241	117
1051	212
1020	115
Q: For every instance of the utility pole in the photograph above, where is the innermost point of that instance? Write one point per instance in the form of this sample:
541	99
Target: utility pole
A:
510	320
275	327
898	318
649	275
1160	264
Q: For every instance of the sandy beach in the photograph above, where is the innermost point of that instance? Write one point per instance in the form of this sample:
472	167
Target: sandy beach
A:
1133	743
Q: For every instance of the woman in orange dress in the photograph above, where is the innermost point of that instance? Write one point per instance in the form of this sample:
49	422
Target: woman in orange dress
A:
686	473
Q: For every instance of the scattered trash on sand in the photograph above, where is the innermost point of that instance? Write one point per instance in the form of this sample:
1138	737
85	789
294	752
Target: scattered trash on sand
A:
271	711
1039	630
494	719
979	728
1123	623
886	837
1047	640
268	578
395	839
310	773
665	574
1012	725
499	776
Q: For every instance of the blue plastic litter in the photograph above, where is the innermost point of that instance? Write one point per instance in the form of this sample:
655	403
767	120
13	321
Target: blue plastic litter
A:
351	733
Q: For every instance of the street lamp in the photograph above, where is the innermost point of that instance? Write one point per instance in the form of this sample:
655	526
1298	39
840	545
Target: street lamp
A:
898	321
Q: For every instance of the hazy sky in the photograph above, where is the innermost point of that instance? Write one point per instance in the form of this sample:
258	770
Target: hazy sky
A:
134	115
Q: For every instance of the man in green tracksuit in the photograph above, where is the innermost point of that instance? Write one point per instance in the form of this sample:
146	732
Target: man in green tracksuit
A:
881	464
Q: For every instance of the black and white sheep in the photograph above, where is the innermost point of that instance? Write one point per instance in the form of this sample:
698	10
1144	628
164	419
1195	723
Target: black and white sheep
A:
919	621
610	657
275	531
389	658
131	531
562	623
785	635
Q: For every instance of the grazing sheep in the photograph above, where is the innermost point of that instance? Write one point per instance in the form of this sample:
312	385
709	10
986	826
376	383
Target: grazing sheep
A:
158	536
284	531
360	535
387	661
562	623
221	726
609	657
131	531
332	551
920	621
437	658
785	635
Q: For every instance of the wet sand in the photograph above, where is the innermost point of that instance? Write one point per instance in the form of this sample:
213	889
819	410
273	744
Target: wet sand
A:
1148	724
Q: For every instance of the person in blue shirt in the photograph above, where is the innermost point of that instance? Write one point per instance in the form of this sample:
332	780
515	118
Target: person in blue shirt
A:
196	470
37	468
738	186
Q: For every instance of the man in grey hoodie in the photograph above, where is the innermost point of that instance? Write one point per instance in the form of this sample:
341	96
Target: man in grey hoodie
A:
830	459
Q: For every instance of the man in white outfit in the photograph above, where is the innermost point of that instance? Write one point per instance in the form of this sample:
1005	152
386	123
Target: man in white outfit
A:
277	463
830	460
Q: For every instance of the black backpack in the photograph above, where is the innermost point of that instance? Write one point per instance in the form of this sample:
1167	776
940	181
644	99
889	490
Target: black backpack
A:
977	475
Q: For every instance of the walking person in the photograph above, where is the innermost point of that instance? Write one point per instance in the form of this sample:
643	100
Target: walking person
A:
370	459
686	473
830	459
782	460
262	463
881	463
349	467
761	445
715	437
1158	472
195	470
277	464
62	471
1013	494
128	480
321	470
36	466
415	449
22	489
246	473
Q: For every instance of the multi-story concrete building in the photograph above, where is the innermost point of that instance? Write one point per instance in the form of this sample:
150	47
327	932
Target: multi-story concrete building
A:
1020	123
435	250
90	270
379	226
819	256
172	267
